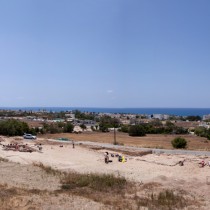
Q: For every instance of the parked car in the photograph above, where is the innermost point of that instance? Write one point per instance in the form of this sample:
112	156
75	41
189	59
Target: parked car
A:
29	136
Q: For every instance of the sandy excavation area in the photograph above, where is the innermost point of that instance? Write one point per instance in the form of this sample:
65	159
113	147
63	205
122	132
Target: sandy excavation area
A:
163	169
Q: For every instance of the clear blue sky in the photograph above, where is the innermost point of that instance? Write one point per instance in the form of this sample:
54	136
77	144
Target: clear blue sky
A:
105	53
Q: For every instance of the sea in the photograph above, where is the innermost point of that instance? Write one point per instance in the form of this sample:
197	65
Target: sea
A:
148	111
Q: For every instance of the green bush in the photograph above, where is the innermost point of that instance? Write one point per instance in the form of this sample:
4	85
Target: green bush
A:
124	128
179	142
68	128
137	130
108	122
13	127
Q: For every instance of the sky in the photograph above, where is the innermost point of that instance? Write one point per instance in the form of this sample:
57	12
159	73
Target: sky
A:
105	53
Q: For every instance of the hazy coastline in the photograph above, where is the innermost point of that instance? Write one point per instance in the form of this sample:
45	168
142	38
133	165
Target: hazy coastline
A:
169	111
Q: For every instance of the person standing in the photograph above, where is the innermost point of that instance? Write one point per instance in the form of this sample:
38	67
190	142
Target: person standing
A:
106	157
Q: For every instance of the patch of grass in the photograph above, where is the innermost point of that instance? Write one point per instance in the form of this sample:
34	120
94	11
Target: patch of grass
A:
169	198
98	182
166	199
35	191
6	192
117	192
150	185
48	169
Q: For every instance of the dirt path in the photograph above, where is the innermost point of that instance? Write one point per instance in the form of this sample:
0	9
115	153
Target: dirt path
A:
154	151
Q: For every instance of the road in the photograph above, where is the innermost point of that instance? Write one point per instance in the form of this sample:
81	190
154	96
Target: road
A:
155	151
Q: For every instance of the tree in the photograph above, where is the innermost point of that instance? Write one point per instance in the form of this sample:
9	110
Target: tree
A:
180	130
103	128
68	128
193	118
157	123
108	122
208	134
169	124
200	131
53	128
136	130
124	128
179	142
83	126
84	116
13	128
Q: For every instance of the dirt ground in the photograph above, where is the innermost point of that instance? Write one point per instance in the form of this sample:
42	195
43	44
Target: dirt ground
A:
24	187
149	141
28	187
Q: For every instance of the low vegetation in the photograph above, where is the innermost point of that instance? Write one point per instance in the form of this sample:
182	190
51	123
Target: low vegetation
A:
193	118
165	200
107	122
203	132
136	130
3	159
98	182
84	116
117	192
48	169
57	127
155	127
179	143
13	127
72	180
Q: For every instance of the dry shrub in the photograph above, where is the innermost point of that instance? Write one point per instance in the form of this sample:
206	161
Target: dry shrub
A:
151	185
117	192
169	198
3	159
7	192
99	182
48	169
164	200
18	138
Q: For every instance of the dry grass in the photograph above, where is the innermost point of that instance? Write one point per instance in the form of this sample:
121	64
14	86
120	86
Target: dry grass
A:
148	141
48	169
17	198
117	192
11	197
97	182
111	191
72	180
165	200
3	159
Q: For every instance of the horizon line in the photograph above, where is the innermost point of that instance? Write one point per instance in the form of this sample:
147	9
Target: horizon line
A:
105	107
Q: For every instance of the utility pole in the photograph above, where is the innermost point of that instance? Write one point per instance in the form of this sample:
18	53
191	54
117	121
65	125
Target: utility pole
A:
115	142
